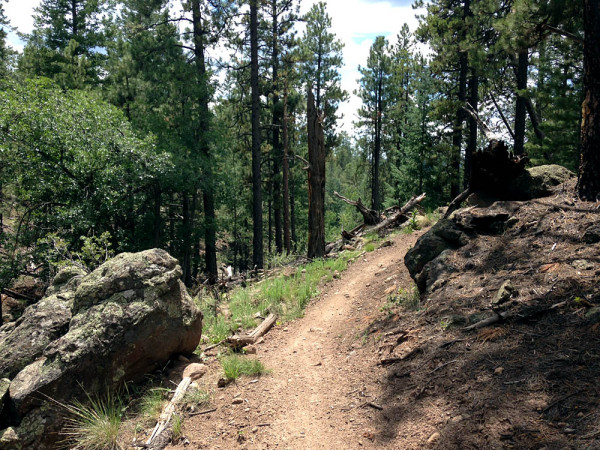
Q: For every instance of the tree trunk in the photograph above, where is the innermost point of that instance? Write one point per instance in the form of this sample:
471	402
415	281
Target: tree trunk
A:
588	183
257	235
287	244
472	142
316	180
186	264
157	219
202	133
277	120
375	197
521	108
457	134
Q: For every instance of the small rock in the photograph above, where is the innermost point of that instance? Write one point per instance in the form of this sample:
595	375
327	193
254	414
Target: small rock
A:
286	329
433	438
368	285
569	431
504	293
237	401
336	275
223	382
498	370
255	429
582	264
250	349
195	371
456	419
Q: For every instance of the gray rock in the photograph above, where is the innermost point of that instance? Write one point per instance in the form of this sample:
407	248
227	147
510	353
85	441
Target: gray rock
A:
582	264
493	219
538	182
444	235
434	273
129	317
504	293
24	341
4	384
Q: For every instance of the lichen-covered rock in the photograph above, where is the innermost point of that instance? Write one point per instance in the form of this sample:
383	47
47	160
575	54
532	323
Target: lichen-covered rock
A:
445	234
433	272
23	341
538	182
128	317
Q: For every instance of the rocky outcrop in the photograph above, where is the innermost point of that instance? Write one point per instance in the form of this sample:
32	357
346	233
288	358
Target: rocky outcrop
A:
118	323
24	341
445	234
429	261
537	182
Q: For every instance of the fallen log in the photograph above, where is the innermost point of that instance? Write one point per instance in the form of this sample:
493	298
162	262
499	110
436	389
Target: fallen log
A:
400	216
370	216
156	440
240	340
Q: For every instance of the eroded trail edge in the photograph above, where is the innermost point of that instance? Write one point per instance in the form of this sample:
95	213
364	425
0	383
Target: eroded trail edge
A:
325	383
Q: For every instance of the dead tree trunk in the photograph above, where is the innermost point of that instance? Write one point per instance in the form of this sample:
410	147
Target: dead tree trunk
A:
370	216
316	180
588	184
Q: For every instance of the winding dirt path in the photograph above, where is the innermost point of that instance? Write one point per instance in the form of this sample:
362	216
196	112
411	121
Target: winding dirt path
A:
322	376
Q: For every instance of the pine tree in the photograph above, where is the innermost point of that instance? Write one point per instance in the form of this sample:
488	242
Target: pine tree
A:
375	93
321	55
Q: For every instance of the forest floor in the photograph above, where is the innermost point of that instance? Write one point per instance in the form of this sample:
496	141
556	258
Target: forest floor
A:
528	382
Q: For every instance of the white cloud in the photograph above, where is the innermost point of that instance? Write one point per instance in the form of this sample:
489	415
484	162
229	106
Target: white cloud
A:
355	22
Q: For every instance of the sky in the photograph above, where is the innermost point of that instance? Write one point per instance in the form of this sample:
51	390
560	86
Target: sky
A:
355	22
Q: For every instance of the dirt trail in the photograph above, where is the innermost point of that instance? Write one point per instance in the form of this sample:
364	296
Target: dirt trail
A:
322	378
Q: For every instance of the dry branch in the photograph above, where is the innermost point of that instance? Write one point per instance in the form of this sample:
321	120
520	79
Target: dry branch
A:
400	216
370	216
239	341
167	413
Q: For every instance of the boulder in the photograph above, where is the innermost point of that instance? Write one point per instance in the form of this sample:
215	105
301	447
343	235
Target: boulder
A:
24	341
538	182
445	234
432	275
129	316
490	220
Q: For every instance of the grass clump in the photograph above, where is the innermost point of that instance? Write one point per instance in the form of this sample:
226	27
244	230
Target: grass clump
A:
286	296
235	366
407	298
151	403
177	427
197	397
370	247
94	425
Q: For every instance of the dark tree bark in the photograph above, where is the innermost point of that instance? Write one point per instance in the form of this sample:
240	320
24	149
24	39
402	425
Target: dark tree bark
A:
588	183
157	218
472	142
186	265
316	180
257	235
457	133
203	145
287	243
521	108
375	188
277	120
